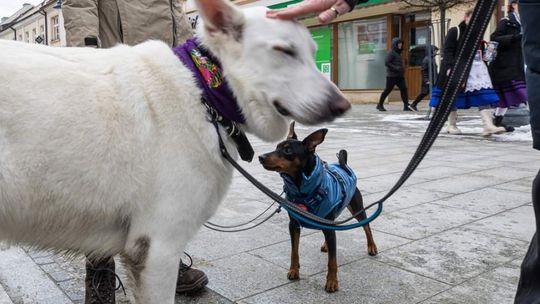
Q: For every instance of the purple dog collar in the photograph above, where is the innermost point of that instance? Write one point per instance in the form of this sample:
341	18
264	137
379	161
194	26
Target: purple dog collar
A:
207	71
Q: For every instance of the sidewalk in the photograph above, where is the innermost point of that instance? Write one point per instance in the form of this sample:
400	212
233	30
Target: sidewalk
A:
455	233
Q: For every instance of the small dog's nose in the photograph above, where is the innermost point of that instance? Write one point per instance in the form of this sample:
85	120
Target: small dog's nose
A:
339	106
262	158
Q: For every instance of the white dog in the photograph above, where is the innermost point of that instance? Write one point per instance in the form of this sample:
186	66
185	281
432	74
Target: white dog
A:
107	152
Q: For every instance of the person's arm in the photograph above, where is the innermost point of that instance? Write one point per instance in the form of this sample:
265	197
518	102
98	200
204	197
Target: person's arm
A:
500	35
450	47
327	9
81	22
389	62
425	70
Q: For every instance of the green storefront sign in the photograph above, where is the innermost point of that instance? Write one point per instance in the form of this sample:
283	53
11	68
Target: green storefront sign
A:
323	57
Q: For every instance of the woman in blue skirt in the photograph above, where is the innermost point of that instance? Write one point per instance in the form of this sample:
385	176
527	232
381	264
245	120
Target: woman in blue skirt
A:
478	91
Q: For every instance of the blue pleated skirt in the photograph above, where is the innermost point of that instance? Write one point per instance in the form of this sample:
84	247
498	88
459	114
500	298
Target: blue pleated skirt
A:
467	100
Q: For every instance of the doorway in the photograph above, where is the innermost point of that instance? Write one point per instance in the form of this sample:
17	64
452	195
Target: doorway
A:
417	38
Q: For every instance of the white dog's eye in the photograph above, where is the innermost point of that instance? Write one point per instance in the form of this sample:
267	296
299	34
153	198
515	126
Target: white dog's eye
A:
286	50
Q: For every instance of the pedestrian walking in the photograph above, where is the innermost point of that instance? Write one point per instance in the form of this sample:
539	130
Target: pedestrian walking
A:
508	68
395	75
104	24
427	78
528	291
478	91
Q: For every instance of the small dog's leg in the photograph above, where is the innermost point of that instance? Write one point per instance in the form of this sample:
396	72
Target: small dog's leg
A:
357	204
331	277
294	231
324	247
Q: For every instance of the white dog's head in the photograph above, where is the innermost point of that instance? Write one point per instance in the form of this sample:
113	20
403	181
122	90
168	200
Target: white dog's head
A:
270	67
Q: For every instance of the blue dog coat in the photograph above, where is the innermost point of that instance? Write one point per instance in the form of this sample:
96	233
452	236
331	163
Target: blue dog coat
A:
329	188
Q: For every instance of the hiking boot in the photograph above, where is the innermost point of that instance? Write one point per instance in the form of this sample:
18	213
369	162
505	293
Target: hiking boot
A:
498	122
381	108
100	282
190	279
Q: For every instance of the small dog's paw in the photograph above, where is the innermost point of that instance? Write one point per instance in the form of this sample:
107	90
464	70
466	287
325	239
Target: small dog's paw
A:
324	248
372	250
331	286
294	274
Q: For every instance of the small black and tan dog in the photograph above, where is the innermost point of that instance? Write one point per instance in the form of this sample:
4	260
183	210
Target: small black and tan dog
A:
322	189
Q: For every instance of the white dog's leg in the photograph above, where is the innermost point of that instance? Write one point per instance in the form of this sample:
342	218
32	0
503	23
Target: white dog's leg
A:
153	264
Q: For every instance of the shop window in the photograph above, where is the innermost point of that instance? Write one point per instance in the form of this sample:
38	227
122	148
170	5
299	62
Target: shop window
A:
362	51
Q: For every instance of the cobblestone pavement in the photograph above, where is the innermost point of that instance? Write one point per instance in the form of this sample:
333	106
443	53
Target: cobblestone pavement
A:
455	233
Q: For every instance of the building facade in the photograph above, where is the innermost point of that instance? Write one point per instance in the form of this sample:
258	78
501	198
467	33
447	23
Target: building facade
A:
41	24
352	49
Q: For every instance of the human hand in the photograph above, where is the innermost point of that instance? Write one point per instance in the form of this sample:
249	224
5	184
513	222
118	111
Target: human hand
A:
328	10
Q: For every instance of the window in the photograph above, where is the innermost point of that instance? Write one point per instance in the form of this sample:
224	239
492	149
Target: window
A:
42	30
27	37
362	51
55	35
34	35
20	38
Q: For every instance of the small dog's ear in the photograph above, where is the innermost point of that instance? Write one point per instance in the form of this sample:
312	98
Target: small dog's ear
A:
292	134
220	16
315	139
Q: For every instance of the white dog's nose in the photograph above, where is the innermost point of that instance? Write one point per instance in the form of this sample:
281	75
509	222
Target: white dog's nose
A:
340	106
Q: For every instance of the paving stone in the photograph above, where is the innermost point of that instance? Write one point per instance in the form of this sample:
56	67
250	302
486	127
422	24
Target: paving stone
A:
456	255
365	281
212	245
24	281
487	200
424	220
460	183
205	296
406	197
519	185
73	289
351	246
243	275
516	223
60	276
4	298
496	286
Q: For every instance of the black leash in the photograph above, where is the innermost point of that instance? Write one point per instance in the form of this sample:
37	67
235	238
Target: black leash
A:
458	76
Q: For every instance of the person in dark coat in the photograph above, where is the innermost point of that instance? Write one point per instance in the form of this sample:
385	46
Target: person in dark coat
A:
426	79
508	69
478	91
528	291
395	75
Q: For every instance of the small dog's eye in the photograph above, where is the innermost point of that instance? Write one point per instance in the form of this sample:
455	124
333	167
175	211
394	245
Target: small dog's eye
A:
287	151
286	50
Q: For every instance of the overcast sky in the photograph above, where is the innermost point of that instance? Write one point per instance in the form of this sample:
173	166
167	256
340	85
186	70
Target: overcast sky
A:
9	7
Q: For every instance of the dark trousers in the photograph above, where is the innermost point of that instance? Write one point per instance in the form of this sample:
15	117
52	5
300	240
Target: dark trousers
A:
391	82
528	291
419	98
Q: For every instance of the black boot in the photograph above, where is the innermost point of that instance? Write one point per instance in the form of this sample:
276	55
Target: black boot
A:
407	107
381	108
100	282
414	106
498	122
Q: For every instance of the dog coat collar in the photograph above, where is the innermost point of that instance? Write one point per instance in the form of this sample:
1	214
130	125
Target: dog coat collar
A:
327	189
207	71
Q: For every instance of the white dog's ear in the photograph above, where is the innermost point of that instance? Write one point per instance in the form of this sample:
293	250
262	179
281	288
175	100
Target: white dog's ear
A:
221	16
